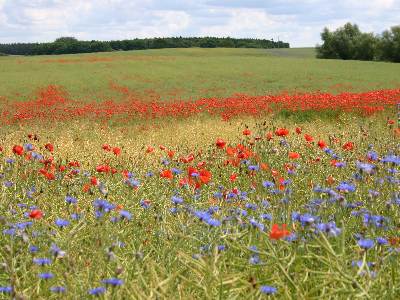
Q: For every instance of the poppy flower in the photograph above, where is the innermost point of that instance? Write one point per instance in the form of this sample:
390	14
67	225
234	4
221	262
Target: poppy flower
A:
106	147
298	130
278	232
149	149
321	144
390	122
294	155
117	151
49	147
1	148
171	154
308	138
269	136
233	177
348	146
18	150
205	176
162	147
103	169
36	214
93	181
167	174
220	143
246	132
281	132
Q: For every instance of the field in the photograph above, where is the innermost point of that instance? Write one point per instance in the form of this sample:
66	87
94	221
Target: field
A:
199	174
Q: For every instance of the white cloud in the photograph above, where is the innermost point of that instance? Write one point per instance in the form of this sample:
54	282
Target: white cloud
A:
298	22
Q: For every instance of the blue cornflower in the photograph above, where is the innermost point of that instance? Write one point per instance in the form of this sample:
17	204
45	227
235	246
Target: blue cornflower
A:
268	184
365	167
254	259
125	215
8	184
46	276
28	147
70	199
56	251
42	261
382	241
75	216
5	289
113	281
58	289
329	228
176	200
10	160
266	217
391	159
254	167
269	290
251	206
145	204
176	171
61	223
33	249
36	156
256	224
97	291
346	187
372	155
366	243
221	248
213	222
306	219
103	205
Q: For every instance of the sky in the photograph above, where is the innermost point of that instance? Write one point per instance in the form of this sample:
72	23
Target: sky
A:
294	21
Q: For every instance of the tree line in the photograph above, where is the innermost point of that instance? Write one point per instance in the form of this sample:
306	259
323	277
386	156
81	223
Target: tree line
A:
348	42
70	45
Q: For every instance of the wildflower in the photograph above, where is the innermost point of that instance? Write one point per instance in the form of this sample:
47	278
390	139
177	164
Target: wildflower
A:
56	251
346	187
278	232
5	289
28	147
365	167
382	241
298	130
348	146
294	155
18	150
42	261
49	147
58	289
113	281
36	214
145	203
269	290
46	276
308	138
220	143
125	215
176	200
97	291
167	174
366	243
106	147
61	223
116	151
70	199
281	132
322	144
246	132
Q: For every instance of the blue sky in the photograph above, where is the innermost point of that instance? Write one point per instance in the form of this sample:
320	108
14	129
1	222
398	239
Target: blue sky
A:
298	22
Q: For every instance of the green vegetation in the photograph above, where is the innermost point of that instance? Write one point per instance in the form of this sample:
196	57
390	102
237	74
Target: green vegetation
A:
195	73
70	45
348	42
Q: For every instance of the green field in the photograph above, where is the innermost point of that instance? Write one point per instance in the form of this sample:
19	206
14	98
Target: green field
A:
192	73
285	204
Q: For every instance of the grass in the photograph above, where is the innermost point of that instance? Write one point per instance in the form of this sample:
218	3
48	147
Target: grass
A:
191	73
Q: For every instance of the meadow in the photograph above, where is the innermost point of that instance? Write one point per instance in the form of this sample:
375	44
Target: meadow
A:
199	174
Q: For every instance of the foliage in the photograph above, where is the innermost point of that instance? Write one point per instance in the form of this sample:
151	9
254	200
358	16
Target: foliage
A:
70	45
348	42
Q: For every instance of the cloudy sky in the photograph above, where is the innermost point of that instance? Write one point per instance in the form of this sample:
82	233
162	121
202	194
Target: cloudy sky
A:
298	22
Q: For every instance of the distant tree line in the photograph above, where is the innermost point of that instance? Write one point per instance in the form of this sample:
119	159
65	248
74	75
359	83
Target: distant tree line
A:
348	42
69	45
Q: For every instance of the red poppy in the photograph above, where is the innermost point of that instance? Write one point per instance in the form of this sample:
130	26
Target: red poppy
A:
348	146
93	181
103	169
220	143
269	136
390	122
171	154
233	177
36	214
117	151
49	147
246	131
308	137
167	174
294	155
149	149
106	147
62	168
321	144
1	148
162	147
205	176
281	132
278	233
298	130
18	150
